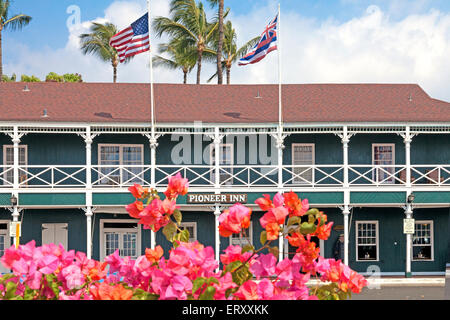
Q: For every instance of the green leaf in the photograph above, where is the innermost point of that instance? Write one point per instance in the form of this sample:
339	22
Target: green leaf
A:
314	212
263	237
247	248
197	284
11	288
241	275
294	220
184	235
307	228
53	284
178	216
169	231
311	218
233	266
140	294
208	294
275	251
213	280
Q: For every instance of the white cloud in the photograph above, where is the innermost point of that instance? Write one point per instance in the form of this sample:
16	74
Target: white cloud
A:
370	48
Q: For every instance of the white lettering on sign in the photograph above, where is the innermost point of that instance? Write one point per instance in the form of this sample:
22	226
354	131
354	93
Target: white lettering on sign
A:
217	198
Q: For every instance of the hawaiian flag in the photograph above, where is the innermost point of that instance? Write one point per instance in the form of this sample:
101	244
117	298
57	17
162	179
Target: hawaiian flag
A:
132	40
267	44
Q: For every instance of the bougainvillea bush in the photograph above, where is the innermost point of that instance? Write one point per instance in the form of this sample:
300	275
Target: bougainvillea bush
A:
191	270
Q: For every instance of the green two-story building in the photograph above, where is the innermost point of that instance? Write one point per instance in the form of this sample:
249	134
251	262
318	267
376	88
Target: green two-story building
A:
369	156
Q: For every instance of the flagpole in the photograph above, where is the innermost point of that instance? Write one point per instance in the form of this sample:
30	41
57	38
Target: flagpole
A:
280	127
153	141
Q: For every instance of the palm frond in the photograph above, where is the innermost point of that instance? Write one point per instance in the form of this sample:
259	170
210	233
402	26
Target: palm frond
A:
17	22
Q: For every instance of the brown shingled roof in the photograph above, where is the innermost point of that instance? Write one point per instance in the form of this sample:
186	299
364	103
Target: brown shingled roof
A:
102	102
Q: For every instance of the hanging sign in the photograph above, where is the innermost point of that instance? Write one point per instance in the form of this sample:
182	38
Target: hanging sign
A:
217	198
15	229
408	226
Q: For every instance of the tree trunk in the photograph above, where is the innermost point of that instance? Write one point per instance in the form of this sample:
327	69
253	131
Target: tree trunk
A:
115	63
185	77
220	45
199	65
115	74
228	75
1	62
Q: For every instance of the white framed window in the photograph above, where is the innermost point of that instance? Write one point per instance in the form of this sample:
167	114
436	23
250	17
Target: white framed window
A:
423	241
123	235
114	155
239	240
383	154
303	154
4	242
8	160
192	228
367	241
226	159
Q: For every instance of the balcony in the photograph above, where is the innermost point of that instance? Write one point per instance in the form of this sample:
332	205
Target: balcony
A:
249	177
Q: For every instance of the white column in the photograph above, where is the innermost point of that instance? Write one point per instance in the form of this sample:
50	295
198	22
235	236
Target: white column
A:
217	141
153	146
89	232
280	147
217	235
409	215
16	142
345	142
346	213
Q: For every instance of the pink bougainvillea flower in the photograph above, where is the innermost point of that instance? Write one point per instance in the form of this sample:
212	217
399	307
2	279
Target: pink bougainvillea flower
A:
177	186
248	291
264	265
234	253
177	289
264	203
234	220
265	289
114	261
48	264
135	208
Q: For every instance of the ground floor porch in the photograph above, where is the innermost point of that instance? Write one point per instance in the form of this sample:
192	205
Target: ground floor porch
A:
377	244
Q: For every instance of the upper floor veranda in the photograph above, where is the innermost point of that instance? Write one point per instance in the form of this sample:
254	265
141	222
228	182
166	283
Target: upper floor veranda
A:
251	158
90	137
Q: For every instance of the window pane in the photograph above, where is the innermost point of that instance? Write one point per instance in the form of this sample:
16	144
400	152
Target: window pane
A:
422	253
367	253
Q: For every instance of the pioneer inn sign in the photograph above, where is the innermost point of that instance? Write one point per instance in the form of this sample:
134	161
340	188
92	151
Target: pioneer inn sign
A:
369	156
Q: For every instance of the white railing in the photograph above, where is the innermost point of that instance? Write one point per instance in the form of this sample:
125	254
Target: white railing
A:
6	176
230	176
120	176
436	175
61	176
313	176
248	176
377	175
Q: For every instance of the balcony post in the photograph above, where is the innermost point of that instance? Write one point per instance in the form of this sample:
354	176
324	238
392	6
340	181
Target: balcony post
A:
16	141
88	139
217	235
408	140
217	141
345	142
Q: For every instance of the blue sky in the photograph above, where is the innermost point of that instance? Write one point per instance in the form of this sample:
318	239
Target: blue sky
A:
326	41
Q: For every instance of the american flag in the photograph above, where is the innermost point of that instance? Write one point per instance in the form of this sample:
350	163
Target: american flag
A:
266	44
132	40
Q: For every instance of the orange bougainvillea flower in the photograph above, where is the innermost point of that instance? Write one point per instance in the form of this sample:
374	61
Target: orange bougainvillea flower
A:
105	291
264	203
295	205
153	255
273	230
323	232
138	191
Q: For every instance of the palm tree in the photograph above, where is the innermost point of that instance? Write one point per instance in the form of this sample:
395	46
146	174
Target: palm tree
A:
231	53
97	43
15	22
189	27
180	58
220	40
